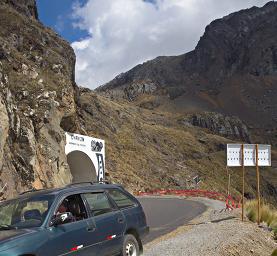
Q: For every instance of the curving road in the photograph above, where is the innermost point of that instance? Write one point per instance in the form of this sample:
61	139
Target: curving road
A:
164	215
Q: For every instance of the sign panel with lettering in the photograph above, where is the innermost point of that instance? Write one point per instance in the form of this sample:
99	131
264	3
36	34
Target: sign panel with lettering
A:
92	147
234	155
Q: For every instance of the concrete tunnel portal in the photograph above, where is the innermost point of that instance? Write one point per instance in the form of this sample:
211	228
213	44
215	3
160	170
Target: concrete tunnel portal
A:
85	157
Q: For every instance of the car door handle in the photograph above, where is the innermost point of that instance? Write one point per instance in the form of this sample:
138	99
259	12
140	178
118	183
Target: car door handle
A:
90	229
120	220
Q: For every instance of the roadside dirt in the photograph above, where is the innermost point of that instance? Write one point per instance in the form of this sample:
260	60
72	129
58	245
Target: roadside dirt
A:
215	232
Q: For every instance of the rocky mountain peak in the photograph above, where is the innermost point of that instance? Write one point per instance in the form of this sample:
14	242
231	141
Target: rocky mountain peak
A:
232	70
26	7
229	42
243	42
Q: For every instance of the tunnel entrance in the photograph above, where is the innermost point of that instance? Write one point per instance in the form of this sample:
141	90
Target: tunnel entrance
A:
81	167
85	157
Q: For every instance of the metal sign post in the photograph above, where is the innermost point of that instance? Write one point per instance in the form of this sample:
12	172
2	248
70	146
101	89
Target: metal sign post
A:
197	181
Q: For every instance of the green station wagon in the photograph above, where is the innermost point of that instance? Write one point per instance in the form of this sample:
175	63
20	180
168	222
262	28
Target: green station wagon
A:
80	219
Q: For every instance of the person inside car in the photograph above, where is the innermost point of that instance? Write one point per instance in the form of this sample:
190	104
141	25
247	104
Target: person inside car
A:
73	205
62	208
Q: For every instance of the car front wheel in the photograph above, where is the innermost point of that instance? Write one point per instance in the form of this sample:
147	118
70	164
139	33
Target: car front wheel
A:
130	246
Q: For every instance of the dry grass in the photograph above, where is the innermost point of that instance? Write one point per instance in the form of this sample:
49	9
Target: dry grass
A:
148	149
268	214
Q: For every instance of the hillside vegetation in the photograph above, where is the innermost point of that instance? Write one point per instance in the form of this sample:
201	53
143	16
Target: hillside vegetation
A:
268	214
149	149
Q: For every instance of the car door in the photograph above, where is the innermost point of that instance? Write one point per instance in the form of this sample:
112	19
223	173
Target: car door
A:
74	238
109	222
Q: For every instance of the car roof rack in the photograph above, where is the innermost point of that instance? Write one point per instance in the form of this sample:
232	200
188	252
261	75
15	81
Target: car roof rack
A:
30	191
80	183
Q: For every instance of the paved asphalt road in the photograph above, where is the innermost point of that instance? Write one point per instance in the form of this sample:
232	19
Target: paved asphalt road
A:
164	215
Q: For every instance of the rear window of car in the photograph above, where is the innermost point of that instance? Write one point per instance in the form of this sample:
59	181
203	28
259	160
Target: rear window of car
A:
121	199
98	203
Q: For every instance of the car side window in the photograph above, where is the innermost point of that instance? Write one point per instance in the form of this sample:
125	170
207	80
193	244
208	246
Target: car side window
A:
98	203
41	206
122	200
75	205
6	214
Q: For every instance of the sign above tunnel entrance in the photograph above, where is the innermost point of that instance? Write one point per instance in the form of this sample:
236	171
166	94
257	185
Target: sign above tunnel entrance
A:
86	157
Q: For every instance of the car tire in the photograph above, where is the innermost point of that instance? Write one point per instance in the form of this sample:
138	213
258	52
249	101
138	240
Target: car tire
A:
130	246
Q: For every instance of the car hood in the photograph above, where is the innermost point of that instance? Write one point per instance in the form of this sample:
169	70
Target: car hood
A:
13	233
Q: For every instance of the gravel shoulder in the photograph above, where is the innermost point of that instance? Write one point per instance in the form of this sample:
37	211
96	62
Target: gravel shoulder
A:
215	232
166	214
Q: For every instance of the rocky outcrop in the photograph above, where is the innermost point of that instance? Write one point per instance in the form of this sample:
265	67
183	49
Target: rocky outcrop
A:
231	127
37	90
26	7
133	90
236	44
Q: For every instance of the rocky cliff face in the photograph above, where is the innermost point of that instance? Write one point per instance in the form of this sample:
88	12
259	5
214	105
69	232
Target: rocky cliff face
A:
25	7
36	94
230	127
233	70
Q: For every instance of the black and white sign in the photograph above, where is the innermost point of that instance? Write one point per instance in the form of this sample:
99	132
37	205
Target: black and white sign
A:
94	148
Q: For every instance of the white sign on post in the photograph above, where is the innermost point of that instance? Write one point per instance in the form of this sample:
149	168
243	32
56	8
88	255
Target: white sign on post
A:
234	155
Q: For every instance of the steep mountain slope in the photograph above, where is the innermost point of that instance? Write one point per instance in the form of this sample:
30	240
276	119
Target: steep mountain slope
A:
152	149
233	70
36	92
146	149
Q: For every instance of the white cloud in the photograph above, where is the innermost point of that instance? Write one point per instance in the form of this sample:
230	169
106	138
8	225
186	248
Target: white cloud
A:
124	33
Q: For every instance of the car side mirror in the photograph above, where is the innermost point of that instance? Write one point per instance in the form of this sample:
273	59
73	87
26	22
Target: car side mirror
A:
61	218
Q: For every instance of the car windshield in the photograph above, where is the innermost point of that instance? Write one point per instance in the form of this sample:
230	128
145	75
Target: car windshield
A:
27	212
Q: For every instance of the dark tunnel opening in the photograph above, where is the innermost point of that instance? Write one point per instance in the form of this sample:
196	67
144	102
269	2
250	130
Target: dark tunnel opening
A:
81	167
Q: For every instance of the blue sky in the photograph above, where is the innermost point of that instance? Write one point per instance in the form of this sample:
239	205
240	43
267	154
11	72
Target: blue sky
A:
57	14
